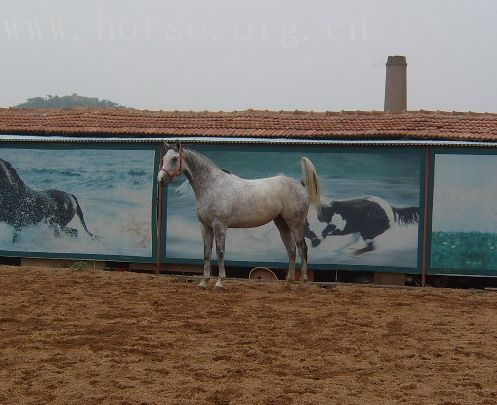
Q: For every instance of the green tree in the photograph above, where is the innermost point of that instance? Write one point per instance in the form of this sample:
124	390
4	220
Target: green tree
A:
74	100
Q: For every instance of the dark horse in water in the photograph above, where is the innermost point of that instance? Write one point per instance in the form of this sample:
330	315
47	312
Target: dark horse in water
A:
365	218
21	206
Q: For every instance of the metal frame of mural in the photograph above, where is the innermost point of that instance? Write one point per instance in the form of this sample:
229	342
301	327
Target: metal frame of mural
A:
427	232
417	153
88	147
461	251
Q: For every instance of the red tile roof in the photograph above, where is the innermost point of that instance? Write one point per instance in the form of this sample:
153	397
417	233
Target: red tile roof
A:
417	125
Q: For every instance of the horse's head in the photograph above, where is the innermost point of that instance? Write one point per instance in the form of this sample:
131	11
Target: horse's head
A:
325	214
9	179
335	218
172	163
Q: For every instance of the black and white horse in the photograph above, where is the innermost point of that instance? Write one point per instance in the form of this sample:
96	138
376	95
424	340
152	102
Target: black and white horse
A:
21	206
365	218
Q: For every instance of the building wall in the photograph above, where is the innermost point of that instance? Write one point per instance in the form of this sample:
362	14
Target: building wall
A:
115	187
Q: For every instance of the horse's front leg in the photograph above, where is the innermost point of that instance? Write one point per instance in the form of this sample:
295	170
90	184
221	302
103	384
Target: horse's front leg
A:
220	235
208	237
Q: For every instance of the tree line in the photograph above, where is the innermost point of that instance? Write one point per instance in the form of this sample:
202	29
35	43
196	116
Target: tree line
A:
73	100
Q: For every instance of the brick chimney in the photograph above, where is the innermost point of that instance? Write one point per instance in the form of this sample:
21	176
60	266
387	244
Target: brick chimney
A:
396	84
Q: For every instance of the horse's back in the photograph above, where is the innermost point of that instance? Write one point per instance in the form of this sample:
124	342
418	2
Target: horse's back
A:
242	203
277	189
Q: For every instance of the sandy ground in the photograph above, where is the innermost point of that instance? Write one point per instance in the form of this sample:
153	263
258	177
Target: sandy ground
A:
94	337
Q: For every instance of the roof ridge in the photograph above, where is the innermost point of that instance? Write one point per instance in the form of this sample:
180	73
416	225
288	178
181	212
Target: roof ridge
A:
360	124
122	110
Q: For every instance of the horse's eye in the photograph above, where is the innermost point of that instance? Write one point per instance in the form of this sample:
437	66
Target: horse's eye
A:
174	159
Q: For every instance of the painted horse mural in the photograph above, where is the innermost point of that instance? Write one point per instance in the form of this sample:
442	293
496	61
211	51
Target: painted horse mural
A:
366	218
21	206
225	200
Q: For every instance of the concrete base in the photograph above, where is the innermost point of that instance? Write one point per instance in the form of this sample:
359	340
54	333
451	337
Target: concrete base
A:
149	267
64	263
181	268
310	275
390	278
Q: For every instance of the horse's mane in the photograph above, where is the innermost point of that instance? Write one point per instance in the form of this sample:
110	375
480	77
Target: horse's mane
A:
8	175
203	158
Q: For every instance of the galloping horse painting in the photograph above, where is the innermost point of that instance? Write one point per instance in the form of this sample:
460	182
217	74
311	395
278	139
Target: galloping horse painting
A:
21	206
77	201
344	174
225	200
366	218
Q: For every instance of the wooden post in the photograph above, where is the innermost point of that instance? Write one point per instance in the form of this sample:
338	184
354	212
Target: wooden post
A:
159	228
426	221
159	216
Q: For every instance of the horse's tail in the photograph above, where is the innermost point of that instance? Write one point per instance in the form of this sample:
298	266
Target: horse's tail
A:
406	216
311	182
80	216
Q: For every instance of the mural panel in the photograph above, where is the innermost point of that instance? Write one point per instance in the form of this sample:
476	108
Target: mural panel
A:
464	224
76	201
370	215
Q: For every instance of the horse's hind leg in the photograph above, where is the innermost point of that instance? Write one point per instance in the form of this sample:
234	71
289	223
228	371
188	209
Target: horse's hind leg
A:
286	237
298	236
70	231
369	247
208	237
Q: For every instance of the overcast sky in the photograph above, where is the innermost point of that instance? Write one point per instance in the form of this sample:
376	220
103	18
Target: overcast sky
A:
262	54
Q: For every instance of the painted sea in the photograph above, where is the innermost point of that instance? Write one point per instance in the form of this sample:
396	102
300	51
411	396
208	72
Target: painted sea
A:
114	188
472	252
464	225
394	177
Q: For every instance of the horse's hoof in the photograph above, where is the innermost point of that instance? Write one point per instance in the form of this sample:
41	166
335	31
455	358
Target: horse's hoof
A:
219	286
302	287
315	242
202	285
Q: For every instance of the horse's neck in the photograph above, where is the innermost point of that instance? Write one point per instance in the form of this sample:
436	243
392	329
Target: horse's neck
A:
9	177
199	171
16	186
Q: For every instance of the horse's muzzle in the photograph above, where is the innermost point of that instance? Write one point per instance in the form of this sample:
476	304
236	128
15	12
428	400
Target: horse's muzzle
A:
163	179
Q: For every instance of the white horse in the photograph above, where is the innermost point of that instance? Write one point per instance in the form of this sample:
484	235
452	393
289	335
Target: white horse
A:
228	201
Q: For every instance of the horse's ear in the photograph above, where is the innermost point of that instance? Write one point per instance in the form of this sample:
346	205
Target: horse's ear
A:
178	146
